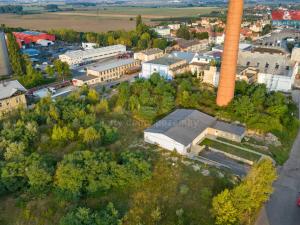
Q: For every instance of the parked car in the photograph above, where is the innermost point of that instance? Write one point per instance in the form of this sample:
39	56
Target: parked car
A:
298	202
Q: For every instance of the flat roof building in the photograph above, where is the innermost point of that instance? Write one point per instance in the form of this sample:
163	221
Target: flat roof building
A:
82	57
108	71
167	66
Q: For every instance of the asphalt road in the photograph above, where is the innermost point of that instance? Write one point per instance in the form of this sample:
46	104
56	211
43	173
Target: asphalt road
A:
282	209
236	167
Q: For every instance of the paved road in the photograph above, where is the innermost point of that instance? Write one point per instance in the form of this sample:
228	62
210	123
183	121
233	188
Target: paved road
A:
281	209
236	167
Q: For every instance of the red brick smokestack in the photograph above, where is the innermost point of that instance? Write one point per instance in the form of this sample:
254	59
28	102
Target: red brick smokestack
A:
230	54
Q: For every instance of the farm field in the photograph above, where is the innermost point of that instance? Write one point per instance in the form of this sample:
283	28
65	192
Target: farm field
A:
101	20
146	12
49	21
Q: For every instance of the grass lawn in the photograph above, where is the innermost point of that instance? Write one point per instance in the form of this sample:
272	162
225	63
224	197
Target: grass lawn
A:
231	150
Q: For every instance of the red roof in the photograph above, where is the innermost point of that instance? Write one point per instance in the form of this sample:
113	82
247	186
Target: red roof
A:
286	15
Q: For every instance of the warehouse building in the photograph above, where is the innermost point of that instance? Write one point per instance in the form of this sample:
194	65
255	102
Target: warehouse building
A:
191	45
82	57
275	68
286	18
108	71
4	59
167	66
29	37
184	128
12	96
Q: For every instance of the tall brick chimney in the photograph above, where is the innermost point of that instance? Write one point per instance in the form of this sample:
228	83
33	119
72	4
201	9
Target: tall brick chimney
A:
230	53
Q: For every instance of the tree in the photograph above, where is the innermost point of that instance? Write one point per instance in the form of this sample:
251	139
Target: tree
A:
50	71
183	32
239	205
93	96
89	135
226	213
62	134
160	43
62	69
139	21
15	56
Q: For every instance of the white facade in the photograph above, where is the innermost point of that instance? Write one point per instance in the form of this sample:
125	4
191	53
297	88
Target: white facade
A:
44	43
87	46
148	69
174	26
80	57
163	31
165	142
278	82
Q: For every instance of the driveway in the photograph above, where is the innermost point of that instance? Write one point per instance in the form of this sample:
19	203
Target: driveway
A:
281	209
237	168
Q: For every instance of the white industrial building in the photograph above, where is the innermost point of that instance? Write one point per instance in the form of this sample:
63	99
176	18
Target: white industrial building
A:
275	68
89	45
82	57
167	66
184	128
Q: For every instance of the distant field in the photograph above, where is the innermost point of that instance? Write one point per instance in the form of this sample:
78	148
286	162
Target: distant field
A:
162	12
97	20
53	21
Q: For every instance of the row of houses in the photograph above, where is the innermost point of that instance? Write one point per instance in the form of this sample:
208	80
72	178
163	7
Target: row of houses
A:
272	67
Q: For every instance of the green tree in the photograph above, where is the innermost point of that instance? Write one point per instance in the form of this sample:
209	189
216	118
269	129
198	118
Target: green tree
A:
240	205
15	56
62	69
183	32
160	43
139	21
89	135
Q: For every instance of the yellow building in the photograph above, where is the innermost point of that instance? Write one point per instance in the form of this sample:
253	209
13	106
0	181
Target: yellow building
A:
108	71
12	96
149	54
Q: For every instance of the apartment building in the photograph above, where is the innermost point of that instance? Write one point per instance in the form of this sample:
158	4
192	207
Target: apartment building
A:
12	96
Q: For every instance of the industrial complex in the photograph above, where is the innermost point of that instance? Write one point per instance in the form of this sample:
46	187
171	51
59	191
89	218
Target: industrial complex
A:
82	57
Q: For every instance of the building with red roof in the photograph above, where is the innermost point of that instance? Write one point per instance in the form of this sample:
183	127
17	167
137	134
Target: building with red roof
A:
290	18
28	37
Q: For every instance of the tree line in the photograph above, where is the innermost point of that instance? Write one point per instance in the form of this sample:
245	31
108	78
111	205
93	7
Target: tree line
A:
141	38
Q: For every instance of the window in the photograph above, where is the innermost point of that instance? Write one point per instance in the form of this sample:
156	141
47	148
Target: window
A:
267	65
277	66
248	63
287	68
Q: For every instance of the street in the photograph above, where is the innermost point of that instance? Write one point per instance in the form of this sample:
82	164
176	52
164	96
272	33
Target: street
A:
282	209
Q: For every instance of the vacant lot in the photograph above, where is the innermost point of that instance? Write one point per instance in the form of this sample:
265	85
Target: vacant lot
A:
98	20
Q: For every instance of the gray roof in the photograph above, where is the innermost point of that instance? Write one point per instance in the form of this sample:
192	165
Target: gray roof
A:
230	128
165	60
10	88
86	77
183	125
188	56
152	51
111	64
